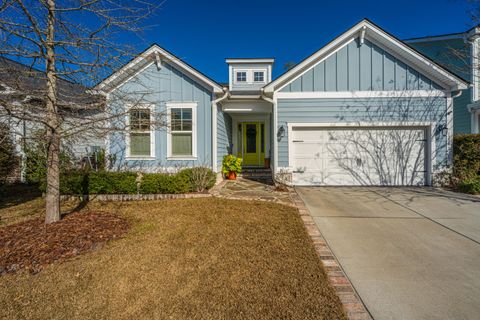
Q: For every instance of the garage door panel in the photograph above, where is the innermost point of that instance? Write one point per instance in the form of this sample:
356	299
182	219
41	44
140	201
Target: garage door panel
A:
372	156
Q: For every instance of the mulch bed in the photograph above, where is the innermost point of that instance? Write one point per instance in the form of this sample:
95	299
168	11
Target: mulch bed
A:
31	245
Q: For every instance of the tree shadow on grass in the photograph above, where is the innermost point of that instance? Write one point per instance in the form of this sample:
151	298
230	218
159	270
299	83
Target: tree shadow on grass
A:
15	194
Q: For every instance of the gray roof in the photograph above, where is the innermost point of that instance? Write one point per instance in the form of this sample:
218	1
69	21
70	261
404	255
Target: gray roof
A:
18	81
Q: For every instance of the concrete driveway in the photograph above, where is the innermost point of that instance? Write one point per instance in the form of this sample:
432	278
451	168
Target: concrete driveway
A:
410	253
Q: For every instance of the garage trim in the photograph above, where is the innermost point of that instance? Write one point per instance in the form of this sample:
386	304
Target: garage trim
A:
428	126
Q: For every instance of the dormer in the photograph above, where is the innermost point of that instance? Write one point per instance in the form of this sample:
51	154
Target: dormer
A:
249	74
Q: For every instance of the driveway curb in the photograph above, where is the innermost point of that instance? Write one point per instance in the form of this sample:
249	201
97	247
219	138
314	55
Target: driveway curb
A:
353	305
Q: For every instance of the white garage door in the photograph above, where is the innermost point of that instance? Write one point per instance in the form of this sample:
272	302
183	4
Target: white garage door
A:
360	156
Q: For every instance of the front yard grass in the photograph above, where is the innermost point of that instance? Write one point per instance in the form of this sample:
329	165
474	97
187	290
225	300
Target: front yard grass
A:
203	258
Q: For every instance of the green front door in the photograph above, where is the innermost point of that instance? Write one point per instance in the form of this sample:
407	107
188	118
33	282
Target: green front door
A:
253	143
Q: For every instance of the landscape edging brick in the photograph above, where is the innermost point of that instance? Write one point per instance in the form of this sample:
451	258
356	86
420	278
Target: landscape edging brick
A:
133	197
353	305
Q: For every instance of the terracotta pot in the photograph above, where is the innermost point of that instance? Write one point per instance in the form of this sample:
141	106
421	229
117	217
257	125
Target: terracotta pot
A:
267	163
231	175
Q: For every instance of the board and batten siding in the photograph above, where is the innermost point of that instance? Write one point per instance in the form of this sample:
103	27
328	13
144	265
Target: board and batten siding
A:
357	67
159	86
372	110
224	135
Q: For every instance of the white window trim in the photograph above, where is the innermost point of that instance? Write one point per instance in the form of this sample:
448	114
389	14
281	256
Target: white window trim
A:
128	155
475	56
264	71
236	71
182	105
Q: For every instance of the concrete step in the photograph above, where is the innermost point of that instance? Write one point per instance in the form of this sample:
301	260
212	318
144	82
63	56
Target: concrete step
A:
263	175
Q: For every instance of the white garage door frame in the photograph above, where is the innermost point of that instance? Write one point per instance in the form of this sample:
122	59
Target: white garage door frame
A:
429	128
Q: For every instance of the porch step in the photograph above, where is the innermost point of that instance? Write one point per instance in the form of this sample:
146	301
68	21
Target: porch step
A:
263	175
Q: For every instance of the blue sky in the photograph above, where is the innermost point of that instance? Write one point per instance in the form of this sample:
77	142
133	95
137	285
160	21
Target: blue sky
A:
204	33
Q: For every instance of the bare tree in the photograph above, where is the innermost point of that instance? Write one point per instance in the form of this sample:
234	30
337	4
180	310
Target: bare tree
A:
66	45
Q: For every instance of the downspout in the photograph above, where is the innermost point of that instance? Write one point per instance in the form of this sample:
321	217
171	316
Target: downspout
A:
458	94
214	127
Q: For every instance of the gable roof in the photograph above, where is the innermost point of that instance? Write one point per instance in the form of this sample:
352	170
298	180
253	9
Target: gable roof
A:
154	53
367	29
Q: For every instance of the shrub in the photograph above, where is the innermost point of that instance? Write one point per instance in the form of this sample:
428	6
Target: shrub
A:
78	182
199	178
74	182
466	157
36	155
470	185
105	182
164	183
8	160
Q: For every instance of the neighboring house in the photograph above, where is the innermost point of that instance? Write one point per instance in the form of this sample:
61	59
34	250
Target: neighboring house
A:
22	105
366	109
458	52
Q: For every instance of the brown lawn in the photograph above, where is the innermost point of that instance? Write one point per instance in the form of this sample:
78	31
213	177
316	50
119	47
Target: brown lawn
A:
183	259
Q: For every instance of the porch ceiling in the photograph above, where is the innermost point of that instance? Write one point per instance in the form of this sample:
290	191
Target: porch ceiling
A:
247	106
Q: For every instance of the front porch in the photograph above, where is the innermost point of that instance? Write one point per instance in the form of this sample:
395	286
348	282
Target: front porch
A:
251	132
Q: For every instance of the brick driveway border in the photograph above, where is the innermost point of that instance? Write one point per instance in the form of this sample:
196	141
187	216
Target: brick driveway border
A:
351	301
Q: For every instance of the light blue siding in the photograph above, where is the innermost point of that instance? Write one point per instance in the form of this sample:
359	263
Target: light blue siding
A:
462	118
224	135
319	77
360	67
400	76
353	70
365	110
330	74
159	87
454	55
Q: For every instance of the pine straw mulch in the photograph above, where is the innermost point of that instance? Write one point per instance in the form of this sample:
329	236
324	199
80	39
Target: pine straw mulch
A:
30	245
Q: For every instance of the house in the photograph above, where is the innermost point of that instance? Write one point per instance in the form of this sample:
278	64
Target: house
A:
458	52
366	109
22	110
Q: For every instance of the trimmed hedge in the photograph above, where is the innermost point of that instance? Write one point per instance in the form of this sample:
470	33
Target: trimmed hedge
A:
163	183
78	182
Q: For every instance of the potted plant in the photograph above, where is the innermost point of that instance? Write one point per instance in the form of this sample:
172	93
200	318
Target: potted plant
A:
231	166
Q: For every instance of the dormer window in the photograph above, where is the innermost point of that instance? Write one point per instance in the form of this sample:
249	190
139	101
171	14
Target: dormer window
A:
259	76
246	74
242	76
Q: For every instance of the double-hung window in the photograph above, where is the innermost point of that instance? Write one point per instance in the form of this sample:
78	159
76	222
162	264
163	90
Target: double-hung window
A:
182	133
140	142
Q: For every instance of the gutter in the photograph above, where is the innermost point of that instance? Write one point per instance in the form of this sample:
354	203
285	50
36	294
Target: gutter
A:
214	126
264	97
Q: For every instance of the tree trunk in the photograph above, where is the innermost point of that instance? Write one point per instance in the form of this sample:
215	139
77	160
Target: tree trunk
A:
53	128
